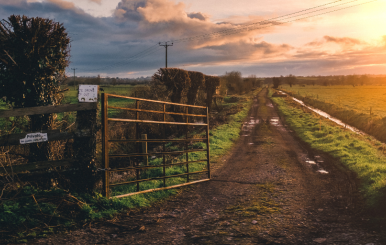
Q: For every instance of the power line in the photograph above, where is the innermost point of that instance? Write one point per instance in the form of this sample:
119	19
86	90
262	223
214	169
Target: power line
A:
133	58
140	57
246	27
143	52
269	22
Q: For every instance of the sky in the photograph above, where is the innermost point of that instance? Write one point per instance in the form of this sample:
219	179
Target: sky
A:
121	38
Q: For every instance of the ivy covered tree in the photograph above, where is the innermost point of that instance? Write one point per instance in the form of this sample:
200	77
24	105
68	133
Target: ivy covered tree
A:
34	53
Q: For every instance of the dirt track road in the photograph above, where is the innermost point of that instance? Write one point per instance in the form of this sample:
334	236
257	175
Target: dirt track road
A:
262	192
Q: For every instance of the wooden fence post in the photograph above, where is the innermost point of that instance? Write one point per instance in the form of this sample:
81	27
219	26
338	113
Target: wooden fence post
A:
85	150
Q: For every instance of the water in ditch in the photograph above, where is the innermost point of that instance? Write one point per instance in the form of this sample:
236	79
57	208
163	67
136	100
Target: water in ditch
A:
327	116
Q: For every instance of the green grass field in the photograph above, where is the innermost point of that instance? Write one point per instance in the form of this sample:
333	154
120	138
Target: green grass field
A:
71	96
361	154
359	98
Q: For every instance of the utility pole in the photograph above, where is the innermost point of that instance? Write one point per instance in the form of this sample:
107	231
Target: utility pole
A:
74	76
166	45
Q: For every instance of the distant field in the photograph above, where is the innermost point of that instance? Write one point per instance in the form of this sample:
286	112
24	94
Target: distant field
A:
71	96
359	98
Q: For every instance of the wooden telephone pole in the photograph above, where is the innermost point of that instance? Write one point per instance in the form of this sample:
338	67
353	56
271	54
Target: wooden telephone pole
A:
74	76
166	45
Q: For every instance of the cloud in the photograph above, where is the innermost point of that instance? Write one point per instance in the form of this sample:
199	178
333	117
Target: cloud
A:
127	10
105	45
163	11
96	1
244	50
63	4
384	40
199	16
365	58
18	3
342	40
167	20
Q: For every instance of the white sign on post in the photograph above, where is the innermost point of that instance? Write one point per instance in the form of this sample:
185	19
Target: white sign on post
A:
88	93
33	138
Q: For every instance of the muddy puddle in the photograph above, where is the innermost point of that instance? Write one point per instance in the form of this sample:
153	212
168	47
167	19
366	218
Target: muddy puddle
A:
327	116
315	163
274	121
248	126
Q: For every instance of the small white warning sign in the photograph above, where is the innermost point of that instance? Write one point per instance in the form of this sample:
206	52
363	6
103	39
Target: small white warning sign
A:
88	93
34	137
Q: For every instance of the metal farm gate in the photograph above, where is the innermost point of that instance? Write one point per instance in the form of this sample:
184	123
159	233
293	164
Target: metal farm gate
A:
180	111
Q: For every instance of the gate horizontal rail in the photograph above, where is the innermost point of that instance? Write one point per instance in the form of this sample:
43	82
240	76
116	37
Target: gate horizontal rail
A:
158	178
156	153
160	112
154	166
155	101
158	122
157	141
164	188
137	111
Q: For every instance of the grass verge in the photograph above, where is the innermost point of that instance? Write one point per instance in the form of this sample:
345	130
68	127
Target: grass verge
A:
370	124
361	154
32	212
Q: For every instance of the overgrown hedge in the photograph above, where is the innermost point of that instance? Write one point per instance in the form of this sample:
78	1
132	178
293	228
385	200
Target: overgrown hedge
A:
179	84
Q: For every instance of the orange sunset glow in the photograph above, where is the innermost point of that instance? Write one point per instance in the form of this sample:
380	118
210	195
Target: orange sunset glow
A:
256	37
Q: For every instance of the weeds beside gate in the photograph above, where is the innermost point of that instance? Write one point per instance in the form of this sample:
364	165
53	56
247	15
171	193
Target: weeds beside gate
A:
80	163
139	167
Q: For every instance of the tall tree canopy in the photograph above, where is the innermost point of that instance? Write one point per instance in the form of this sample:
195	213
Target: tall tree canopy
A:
34	53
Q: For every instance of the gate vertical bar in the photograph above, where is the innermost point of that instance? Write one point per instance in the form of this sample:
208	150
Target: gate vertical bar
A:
186	144
207	142
164	149
105	146
144	150
138	137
